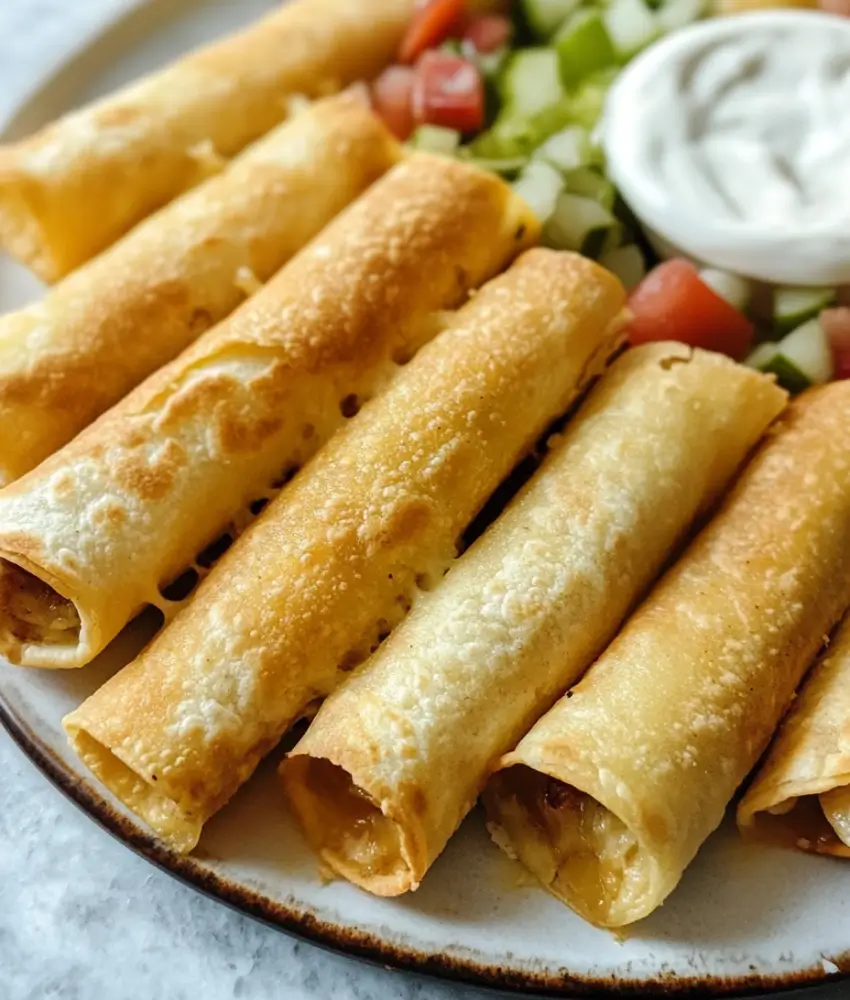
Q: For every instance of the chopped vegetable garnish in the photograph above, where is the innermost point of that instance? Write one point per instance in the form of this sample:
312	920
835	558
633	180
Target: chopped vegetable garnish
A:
448	91
673	303
391	94
519	88
793	306
488	33
433	22
584	46
546	16
436	139
800	360
627	263
631	27
540	184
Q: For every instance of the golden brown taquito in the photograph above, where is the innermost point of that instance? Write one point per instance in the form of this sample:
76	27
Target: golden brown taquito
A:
397	756
76	186
610	795
337	559
66	359
90	536
801	794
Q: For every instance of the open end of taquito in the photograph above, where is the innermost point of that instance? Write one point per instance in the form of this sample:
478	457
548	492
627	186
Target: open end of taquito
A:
812	817
37	622
158	809
346	827
800	797
581	850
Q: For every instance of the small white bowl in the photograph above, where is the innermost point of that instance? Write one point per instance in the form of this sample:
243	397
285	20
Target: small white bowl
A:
651	133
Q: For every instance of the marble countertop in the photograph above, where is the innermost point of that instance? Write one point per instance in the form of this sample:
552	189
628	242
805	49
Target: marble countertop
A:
80	916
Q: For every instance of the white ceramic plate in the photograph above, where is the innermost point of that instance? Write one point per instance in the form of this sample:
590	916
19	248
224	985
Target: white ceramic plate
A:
744	919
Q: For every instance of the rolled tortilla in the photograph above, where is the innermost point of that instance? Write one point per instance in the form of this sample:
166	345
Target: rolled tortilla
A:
801	794
91	535
337	559
101	331
397	757
77	185
610	795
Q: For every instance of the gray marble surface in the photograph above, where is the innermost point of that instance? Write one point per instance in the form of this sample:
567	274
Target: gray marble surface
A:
81	918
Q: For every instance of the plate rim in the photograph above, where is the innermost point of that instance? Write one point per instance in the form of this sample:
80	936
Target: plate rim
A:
363	946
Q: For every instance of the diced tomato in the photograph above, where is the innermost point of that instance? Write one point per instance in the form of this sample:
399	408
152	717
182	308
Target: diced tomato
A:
836	325
673	303
433	22
448	91
391	94
488	33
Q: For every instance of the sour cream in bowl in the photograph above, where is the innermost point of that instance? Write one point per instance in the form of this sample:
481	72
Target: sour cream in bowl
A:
730	140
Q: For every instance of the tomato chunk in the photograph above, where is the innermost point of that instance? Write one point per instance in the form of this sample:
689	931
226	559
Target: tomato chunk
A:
391	95
433	22
488	33
448	91
836	325
673	303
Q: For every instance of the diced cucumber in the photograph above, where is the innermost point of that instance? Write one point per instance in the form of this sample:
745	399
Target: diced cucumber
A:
506	139
801	359
540	185
762	355
631	26
569	149
606	241
591	184
768	359
546	16
731	287
788	375
512	136
505	167
581	224
530	82
627	263
675	14
583	47
436	139
586	105
792	306
550	120
808	349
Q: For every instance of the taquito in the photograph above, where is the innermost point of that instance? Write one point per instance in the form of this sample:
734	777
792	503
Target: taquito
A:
91	535
74	187
610	795
396	758
335	562
105	328
801	794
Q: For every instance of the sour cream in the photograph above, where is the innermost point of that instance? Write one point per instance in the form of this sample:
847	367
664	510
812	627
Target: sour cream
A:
730	140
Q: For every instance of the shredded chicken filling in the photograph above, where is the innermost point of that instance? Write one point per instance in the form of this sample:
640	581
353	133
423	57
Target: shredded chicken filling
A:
347	826
586	853
819	824
33	612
